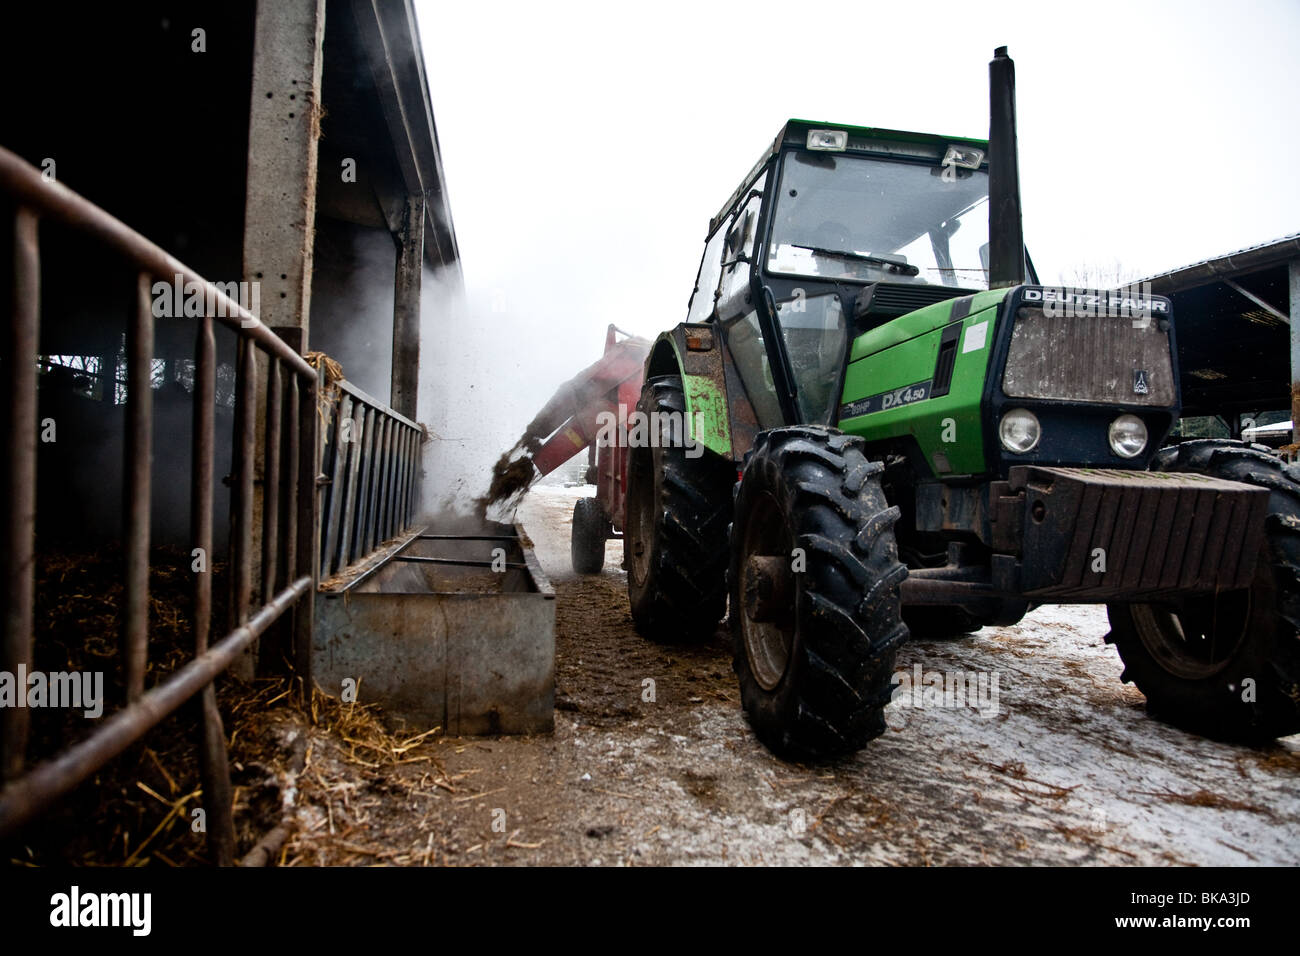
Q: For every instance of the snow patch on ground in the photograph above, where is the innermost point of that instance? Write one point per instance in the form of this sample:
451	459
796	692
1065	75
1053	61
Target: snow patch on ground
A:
1070	769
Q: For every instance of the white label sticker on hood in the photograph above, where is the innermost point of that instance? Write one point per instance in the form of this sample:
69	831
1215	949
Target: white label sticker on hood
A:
976	336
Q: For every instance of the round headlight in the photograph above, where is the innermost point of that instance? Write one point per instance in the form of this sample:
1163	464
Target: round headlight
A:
1019	431
1128	436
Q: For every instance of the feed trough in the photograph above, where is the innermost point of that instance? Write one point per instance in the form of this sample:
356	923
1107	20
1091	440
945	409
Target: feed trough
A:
447	629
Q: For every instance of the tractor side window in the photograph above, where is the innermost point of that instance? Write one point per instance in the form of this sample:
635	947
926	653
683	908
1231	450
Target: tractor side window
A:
739	254
815	338
745	340
706	282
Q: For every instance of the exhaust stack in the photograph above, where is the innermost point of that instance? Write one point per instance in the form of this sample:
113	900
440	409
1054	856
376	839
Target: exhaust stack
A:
1006	234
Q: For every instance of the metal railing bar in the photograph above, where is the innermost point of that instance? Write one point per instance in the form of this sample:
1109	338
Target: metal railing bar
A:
365	509
402	469
331	529
413	491
395	508
386	507
403	480
201	474
345	386
245	438
380	477
399	497
374	493
214	767
137	486
467	562
395	483
329	450
292	469
20	479
355	446
306	561
374	488
417	451
58	203
271	478
28	796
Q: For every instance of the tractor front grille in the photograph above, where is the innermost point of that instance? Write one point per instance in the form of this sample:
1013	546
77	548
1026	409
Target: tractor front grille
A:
1089	358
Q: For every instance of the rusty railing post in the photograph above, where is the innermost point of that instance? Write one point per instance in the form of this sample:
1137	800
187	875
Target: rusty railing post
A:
309	531
18	561
214	766
242	482
137	479
271	482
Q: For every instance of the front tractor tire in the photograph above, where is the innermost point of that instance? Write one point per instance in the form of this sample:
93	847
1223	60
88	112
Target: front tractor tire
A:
675	535
814	631
1226	665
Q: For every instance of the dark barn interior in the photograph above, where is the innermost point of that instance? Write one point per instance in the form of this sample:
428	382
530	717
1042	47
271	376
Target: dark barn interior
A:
158	137
1234	335
283	156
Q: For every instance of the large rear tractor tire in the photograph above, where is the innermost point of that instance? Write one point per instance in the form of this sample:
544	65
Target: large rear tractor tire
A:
814	630
587	541
675	535
1226	665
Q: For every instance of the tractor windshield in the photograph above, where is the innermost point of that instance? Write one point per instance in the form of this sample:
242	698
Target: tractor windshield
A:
840	216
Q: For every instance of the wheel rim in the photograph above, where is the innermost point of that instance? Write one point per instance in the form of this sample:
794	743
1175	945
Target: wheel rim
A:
769	644
640	514
1197	637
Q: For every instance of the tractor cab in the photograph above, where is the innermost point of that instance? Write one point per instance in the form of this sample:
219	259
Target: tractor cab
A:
861	206
839	229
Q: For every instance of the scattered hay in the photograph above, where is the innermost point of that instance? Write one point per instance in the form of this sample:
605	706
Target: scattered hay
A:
1016	771
138	810
1206	798
357	786
328	373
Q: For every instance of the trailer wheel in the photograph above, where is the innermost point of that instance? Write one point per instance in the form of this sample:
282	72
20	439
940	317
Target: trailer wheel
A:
814	631
675	529
1226	665
587	541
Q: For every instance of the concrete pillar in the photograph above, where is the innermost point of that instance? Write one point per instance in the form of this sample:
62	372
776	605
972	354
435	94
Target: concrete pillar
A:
280	197
1294	312
406	309
283	129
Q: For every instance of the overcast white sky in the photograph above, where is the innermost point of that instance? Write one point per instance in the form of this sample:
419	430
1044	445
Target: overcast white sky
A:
586	145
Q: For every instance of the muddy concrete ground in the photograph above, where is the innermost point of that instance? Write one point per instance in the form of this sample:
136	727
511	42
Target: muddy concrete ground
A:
1070	769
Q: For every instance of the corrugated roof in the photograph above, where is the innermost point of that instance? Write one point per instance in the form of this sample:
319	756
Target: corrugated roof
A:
1249	259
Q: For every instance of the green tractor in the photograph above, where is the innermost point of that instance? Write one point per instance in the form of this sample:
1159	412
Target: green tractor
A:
876	421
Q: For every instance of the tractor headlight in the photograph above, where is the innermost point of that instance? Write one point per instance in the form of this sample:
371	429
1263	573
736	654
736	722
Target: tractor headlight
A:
1019	431
830	140
1128	436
